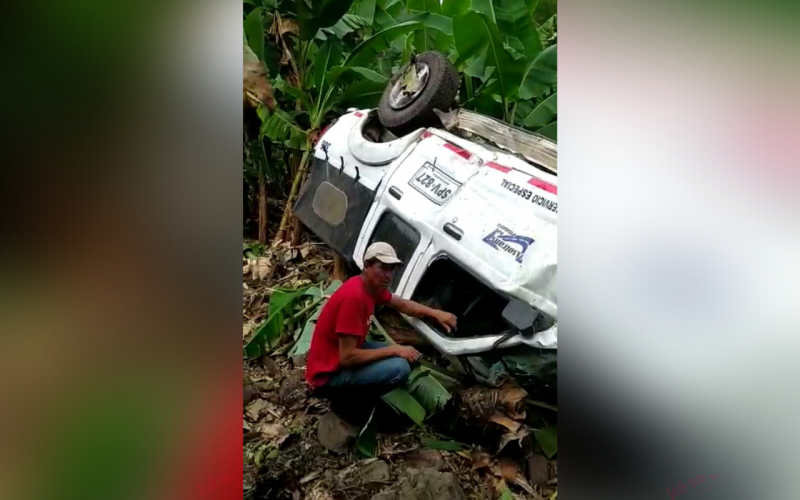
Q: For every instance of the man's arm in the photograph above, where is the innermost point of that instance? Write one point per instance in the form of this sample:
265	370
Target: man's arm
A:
351	356
417	310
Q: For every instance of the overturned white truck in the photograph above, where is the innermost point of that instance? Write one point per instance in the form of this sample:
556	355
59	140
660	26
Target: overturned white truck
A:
472	212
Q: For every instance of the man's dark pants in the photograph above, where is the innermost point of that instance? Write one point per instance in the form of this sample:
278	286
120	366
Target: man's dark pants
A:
353	392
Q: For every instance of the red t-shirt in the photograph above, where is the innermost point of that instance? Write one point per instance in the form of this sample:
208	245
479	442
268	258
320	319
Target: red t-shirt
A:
347	312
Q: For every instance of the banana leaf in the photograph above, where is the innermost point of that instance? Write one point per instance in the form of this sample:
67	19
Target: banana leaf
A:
329	55
475	35
367	439
544	113
550	131
403	402
427	390
269	334
303	344
547	439
369	49
254	31
282	129
436	444
540	76
315	14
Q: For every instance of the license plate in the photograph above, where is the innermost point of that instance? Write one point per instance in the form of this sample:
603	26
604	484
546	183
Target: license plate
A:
435	185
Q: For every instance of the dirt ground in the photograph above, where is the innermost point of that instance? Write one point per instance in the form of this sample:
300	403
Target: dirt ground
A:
284	459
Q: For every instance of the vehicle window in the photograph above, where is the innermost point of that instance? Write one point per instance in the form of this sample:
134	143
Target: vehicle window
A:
403	238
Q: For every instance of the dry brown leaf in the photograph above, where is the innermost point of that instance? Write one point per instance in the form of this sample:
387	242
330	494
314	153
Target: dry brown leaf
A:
245	425
281	26
273	432
512	436
247	328
256	88
255	409
310	477
506	422
519	417
511	394
260	267
481	460
525	485
305	250
319	493
479	402
508	469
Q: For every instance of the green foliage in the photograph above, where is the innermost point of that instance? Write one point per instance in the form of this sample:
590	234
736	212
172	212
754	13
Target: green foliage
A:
342	53
403	402
303	342
371	47
542	114
540	75
269	334
547	439
281	128
254	31
478	38
367	439
427	390
315	14
435	444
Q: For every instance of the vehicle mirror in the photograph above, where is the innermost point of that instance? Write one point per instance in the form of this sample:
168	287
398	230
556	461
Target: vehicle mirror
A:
520	316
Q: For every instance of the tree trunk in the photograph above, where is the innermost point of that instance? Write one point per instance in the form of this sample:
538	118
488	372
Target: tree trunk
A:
339	268
262	208
262	195
297	231
290	200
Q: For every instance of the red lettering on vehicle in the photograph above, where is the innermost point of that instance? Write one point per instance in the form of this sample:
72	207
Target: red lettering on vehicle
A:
550	188
460	152
496	166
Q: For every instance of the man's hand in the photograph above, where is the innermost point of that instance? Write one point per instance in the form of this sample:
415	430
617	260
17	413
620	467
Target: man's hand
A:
446	319
408	353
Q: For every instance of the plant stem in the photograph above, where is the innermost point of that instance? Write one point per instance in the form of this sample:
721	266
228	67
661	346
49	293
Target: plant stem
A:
304	310
295	188
513	113
389	340
262	197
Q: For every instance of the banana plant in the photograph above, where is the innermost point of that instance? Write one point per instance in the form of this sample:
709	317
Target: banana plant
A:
508	71
325	74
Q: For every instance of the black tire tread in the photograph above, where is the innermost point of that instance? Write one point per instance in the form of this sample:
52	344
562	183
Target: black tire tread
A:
439	93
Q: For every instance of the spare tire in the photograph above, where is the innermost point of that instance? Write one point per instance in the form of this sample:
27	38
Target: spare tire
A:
408	102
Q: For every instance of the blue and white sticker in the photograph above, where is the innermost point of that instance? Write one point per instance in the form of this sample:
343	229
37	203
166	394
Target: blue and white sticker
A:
508	241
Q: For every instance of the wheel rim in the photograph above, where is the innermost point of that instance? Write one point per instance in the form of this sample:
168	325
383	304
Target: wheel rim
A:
409	86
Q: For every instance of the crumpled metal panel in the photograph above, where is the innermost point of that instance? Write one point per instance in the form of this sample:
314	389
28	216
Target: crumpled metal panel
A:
534	147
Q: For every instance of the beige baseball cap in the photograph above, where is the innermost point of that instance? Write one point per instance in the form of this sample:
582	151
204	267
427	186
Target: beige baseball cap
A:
383	252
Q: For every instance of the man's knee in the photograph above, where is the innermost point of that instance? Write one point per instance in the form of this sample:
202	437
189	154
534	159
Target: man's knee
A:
397	370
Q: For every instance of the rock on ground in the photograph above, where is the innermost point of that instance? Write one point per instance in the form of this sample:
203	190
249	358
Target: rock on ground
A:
334	433
425	484
538	470
293	389
376	472
425	459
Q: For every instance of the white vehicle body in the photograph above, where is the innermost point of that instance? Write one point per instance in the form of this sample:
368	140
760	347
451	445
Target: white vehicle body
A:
488	211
